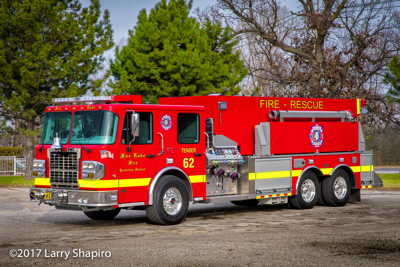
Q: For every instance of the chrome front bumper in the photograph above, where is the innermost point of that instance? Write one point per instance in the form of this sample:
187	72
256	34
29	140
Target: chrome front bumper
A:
75	198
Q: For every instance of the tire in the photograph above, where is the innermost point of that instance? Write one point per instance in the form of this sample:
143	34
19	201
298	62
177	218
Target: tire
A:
170	203
308	192
102	214
336	189
320	201
247	202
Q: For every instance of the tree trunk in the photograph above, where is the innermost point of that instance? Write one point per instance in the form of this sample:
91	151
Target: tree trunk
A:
29	152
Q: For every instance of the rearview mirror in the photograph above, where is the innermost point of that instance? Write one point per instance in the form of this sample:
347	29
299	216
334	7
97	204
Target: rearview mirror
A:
135	123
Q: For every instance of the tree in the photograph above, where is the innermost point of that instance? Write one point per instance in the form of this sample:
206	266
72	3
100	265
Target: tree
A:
48	48
326	44
170	54
393	79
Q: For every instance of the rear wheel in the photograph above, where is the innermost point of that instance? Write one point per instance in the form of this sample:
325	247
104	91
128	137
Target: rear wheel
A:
170	203
247	202
336	189
308	191
102	214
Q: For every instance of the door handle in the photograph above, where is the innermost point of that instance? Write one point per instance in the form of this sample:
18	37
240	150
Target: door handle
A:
162	144
150	155
198	154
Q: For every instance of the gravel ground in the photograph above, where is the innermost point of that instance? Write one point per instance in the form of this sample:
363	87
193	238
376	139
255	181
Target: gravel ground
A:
366	233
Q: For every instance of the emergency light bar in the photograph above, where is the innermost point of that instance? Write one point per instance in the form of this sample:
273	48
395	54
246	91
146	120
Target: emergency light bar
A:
134	99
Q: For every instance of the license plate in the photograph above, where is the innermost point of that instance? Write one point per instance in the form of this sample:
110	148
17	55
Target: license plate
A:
47	195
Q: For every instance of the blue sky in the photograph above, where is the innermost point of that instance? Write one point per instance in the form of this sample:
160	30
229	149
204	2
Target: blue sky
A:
123	14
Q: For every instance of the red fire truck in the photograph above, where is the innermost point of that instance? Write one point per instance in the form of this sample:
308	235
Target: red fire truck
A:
103	154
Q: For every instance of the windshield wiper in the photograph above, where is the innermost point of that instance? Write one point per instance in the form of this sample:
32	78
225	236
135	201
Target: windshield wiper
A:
87	150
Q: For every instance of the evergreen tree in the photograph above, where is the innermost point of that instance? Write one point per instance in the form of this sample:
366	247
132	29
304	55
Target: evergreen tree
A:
48	48
170	54
393	79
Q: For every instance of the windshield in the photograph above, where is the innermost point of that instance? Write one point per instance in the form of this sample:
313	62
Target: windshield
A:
56	122
94	127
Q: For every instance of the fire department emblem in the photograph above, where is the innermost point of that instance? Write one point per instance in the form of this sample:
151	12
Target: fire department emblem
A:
317	136
166	122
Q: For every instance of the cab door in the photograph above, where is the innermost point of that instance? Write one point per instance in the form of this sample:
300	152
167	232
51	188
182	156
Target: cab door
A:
181	133
137	159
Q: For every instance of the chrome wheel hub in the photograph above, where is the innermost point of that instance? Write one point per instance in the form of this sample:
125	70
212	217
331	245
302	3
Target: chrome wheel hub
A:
308	190
340	187
172	201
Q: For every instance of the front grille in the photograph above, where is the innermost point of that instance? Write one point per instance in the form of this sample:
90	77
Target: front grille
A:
64	169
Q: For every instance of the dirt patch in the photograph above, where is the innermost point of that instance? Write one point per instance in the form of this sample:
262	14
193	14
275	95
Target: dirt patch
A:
367	247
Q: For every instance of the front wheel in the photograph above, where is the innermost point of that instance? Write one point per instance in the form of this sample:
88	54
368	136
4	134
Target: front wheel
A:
171	202
336	189
308	191
102	214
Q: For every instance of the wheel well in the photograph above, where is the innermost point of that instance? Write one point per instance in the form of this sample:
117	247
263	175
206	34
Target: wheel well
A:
315	170
184	178
170	171
350	173
345	168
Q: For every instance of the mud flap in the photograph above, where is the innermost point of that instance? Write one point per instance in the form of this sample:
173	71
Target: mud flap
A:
355	196
377	181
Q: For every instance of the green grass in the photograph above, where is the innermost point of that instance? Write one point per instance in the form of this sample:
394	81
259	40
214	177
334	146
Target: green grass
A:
390	181
15	181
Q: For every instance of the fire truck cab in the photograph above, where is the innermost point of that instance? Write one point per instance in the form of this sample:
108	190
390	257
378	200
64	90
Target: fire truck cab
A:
104	154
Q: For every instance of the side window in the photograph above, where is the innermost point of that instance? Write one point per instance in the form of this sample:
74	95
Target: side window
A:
188	128
145	130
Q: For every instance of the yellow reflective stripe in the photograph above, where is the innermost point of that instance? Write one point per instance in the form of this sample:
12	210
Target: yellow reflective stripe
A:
252	176
355	168
98	183
372	167
134	182
366	168
42	181
296	173
358	106
277	195
197	178
271	175
326	171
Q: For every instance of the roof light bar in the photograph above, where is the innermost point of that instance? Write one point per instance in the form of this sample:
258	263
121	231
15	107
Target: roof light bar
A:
82	99
136	99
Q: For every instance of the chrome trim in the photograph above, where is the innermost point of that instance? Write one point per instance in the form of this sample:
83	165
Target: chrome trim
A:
65	198
162	144
159	174
208	141
132	204
172	201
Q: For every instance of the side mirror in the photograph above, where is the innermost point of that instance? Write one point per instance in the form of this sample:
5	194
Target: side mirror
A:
135	123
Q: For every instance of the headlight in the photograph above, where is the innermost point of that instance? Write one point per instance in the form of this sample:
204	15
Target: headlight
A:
39	167
93	170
